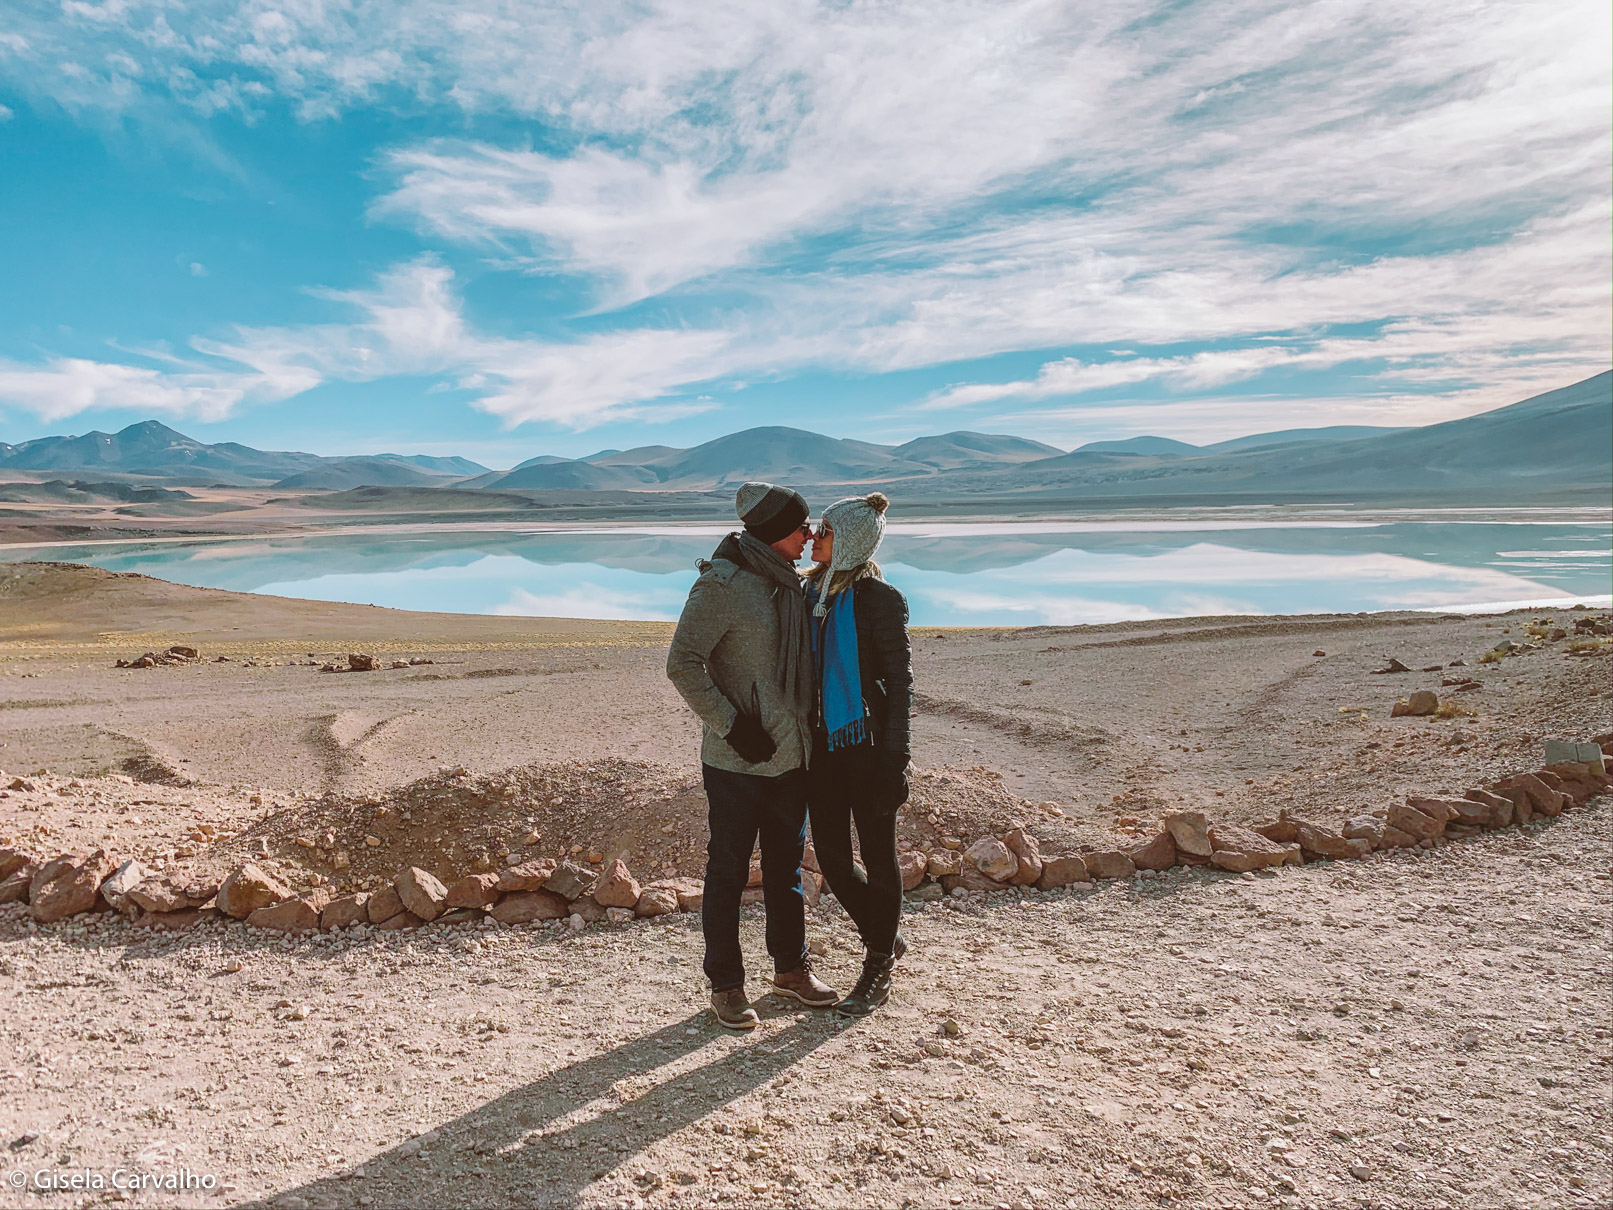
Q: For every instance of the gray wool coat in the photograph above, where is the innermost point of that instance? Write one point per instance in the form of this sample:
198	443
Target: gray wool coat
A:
724	659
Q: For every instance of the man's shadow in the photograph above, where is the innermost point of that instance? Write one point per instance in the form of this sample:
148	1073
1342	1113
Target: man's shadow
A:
527	1158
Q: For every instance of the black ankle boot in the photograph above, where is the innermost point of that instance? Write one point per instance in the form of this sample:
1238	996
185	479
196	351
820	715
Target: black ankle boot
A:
899	950
873	987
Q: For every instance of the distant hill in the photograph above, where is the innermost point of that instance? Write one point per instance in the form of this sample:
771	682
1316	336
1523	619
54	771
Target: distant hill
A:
380	470
1138	445
1337	432
952	451
152	450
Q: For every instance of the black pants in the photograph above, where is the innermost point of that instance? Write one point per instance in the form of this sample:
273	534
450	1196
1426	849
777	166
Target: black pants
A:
741	807
845	786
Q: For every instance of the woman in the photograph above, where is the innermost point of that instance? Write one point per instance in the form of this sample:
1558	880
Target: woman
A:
858	772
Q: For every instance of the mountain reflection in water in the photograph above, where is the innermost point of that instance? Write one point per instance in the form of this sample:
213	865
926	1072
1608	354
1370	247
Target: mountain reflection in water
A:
955	574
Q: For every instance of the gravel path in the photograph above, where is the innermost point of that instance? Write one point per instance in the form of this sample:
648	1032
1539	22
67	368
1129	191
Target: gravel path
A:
1417	1030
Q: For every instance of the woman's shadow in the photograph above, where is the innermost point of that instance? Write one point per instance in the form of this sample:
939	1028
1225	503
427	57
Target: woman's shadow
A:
517	1150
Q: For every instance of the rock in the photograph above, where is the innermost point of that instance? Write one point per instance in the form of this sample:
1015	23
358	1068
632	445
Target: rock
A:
1108	864
589	908
68	885
617	888
1324	842
1364	827
117	887
809	858
528	876
571	881
1062	871
657	899
1499	810
1394	838
992	858
14	886
156	895
1542	798
618	915
346	911
1191	832
943	862
422	892
1414	822
249	888
11	861
524	906
1452	810
811	887
1282	831
914	865
1393	665
359	662
970	879
691	894
1421	702
1158	854
400	920
754	877
299	914
751	896
384	904
1027	851
474	891
175	922
1243	849
184	653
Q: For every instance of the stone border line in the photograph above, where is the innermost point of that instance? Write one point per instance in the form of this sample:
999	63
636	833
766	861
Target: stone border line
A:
568	894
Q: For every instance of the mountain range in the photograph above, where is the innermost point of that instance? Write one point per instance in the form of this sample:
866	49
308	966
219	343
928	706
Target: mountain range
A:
1555	442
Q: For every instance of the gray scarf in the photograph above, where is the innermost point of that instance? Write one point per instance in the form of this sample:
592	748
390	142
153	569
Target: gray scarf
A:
789	601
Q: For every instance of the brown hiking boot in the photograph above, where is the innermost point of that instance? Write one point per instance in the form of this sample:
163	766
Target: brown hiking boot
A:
733	1010
806	987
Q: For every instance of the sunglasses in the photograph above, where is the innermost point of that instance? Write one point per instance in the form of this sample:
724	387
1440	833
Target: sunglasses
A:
823	531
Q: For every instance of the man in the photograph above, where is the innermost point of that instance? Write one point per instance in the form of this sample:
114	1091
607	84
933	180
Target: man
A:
742	658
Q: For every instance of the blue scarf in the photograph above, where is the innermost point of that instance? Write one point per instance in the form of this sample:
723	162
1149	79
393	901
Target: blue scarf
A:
834	653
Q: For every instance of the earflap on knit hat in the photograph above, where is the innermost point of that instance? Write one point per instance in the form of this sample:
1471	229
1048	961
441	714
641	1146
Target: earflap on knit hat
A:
769	511
858	523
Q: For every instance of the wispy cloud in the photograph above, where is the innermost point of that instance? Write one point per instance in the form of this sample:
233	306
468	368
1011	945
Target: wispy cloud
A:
1414	192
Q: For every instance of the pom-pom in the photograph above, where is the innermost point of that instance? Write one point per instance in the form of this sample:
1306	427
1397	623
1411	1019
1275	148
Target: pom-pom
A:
879	502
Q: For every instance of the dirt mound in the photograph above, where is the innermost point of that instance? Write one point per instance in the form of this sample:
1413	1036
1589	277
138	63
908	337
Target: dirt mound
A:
654	817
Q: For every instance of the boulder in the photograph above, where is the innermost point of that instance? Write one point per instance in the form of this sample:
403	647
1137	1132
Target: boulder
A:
1242	849
162	895
1157	854
528	876
943	862
384	904
691	894
249	888
754	877
1282	831
474	891
1542	798
811	887
345	911
116	888
1394	838
1062	871
1499	810
992	858
422	892
618	888
1027	851
809	858
589	908
913	866
571	881
1434	808
1324	842
970	879
750	897
524	906
1191	832
1364	827
1414	823
401	920
357	661
11	861
299	914
1420	703
14	886
1109	864
68	885
657	899
1452	810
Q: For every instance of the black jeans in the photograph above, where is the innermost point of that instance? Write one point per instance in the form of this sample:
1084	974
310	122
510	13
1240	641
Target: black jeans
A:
742	806
854	784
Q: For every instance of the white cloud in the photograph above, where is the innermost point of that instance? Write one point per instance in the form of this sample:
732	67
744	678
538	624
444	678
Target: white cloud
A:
66	386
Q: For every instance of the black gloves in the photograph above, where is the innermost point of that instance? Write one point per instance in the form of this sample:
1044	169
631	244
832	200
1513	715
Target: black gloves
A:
750	739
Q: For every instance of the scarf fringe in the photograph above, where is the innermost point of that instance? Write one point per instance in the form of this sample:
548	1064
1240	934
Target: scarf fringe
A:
849	736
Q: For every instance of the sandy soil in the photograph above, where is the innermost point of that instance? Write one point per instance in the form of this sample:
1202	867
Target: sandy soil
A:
1439	1022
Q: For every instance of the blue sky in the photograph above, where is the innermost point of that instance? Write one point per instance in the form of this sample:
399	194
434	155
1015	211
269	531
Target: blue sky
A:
501	229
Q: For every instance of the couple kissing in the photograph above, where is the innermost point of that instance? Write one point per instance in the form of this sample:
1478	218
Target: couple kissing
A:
804	686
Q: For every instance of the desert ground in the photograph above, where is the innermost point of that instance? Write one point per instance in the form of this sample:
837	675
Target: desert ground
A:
1421	1028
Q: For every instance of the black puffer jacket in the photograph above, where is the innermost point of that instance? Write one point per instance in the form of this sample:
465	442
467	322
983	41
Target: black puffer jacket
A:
885	663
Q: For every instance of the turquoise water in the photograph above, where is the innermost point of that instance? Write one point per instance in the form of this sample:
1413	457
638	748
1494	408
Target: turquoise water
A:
954	574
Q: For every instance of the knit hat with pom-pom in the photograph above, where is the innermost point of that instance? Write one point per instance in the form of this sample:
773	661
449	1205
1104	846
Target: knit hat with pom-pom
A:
858	524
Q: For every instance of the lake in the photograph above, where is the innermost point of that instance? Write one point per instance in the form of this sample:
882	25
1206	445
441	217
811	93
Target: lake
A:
954	573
